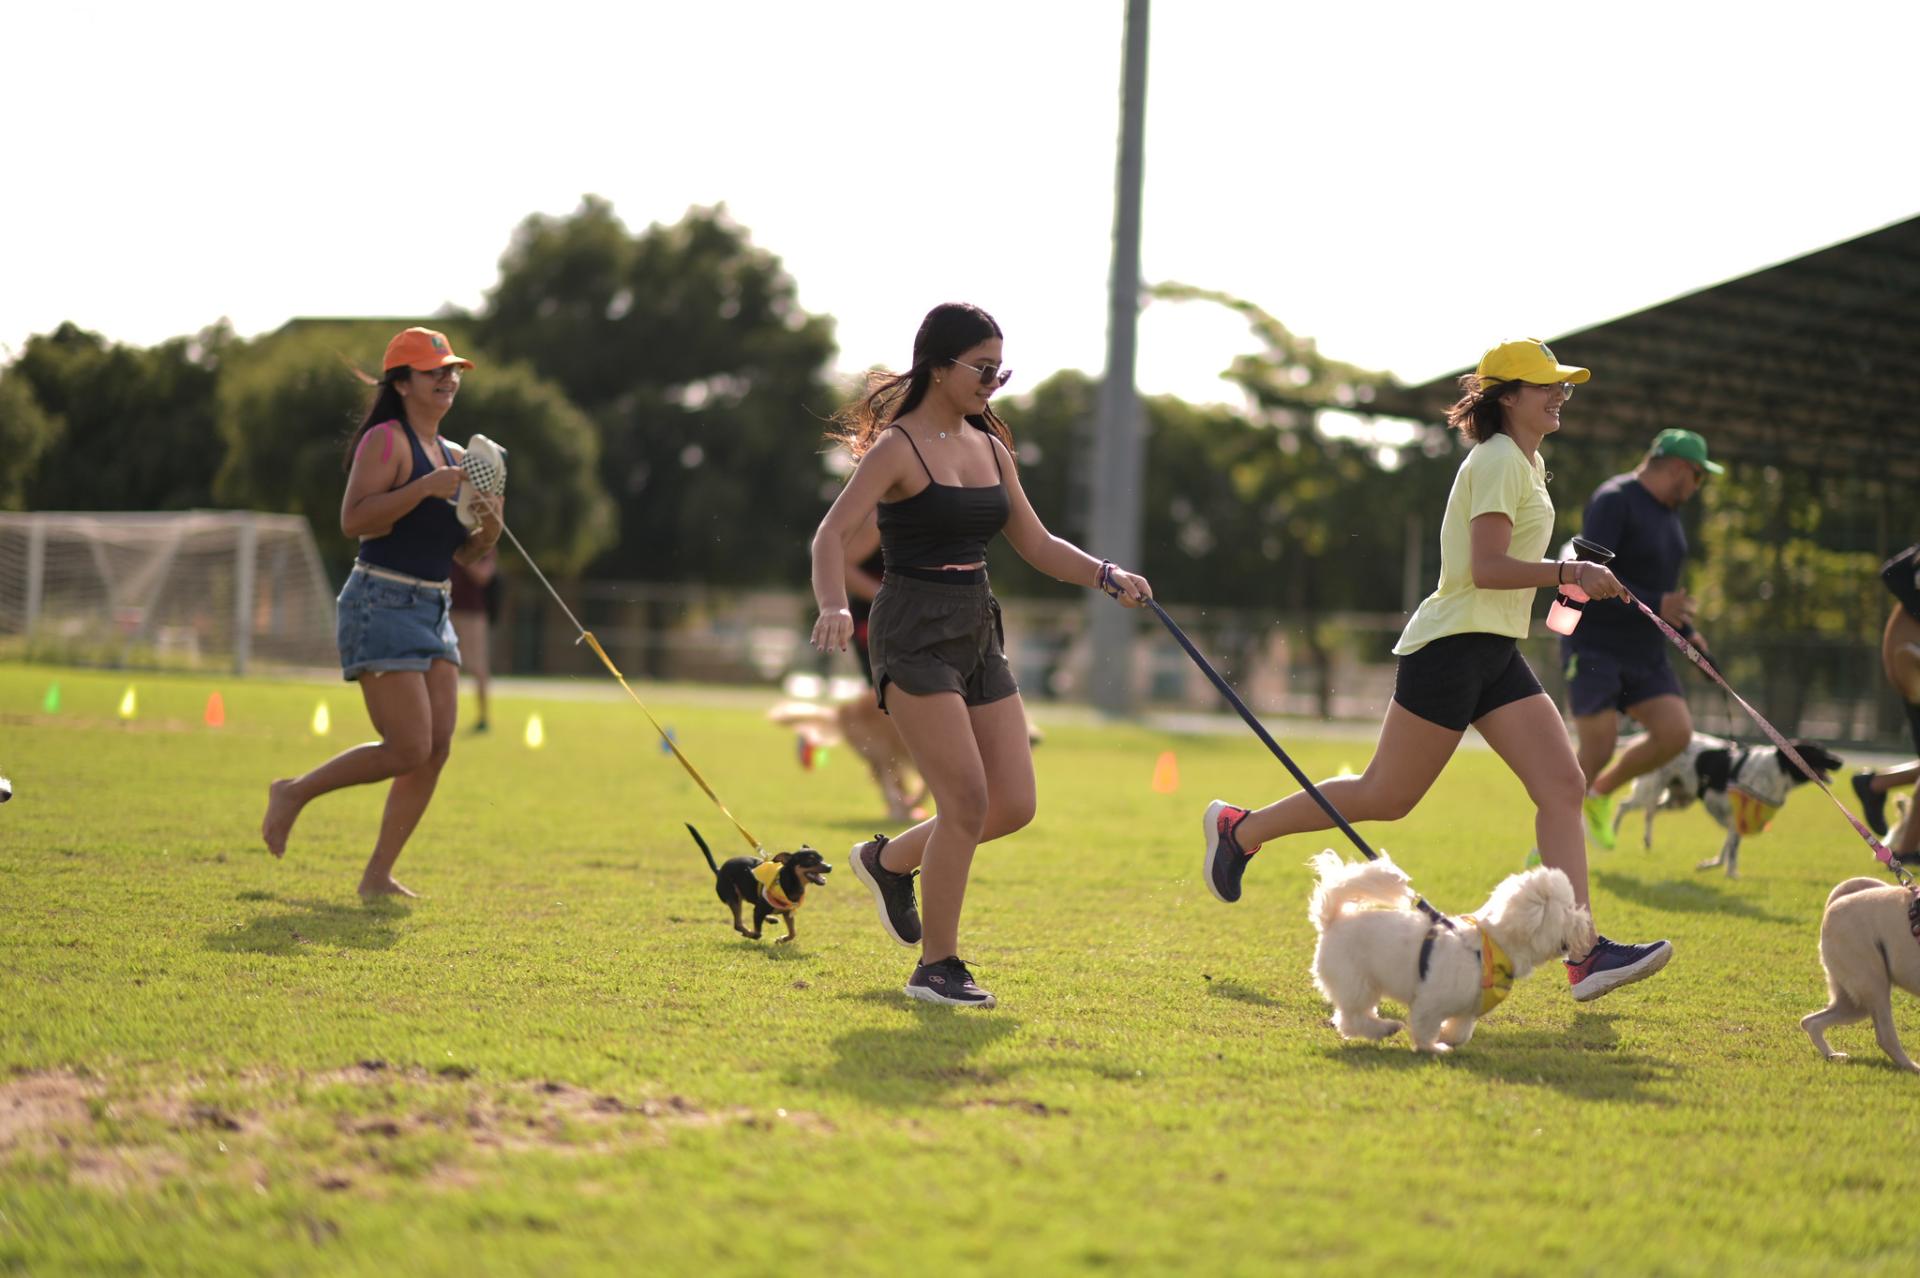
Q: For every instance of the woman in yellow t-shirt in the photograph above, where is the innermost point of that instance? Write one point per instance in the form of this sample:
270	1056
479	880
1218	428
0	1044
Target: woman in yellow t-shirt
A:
1460	663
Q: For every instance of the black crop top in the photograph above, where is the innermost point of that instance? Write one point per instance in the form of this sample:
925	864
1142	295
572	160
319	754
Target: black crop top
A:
943	523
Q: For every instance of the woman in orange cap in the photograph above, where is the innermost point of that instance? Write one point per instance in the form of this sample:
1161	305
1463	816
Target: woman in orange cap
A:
1460	662
395	626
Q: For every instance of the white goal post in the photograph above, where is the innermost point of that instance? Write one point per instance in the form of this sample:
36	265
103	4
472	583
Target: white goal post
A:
188	589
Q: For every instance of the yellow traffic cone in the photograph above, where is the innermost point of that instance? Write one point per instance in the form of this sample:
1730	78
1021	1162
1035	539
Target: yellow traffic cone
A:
1166	773
322	721
536	732
129	704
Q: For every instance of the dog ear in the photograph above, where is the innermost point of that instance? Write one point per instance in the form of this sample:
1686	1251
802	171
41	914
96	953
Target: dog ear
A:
782	857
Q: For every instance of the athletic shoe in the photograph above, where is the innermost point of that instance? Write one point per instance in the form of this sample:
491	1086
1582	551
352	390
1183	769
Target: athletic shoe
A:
1597	812
1612	964
1226	859
1533	858
1872	806
804	745
899	914
948	982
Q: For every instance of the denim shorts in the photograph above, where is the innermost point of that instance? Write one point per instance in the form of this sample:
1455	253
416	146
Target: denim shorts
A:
385	625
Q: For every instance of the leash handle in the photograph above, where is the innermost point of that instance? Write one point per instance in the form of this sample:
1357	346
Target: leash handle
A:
1233	699
1693	654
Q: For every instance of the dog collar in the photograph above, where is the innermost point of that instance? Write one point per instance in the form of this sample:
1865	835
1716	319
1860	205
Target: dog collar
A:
1496	970
767	874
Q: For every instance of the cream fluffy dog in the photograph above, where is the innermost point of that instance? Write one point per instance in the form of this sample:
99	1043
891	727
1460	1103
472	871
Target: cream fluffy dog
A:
1372	938
1868	945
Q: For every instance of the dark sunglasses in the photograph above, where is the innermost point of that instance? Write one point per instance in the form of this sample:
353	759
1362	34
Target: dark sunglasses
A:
990	374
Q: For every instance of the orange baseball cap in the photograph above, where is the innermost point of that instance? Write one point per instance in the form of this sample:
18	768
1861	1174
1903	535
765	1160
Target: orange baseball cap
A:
422	348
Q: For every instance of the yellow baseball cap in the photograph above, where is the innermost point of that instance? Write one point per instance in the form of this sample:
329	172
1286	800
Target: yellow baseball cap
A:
1526	360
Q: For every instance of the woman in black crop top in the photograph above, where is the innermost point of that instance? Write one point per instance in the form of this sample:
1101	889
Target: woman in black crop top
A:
935	462
394	617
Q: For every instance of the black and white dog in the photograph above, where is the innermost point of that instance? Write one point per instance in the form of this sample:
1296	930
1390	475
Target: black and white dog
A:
1740	786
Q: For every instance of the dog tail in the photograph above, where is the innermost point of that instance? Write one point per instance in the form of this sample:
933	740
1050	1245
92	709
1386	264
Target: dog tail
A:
1341	884
703	849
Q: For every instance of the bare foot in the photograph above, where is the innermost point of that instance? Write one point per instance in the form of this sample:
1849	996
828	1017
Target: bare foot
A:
282	808
390	887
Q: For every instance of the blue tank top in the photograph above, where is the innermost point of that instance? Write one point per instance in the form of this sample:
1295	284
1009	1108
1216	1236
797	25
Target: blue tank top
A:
942	523
422	541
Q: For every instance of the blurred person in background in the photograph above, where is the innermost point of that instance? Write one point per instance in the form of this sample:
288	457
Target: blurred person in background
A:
1900	662
1616	661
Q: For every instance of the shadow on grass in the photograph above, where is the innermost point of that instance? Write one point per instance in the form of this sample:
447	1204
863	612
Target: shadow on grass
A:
1687	896
925	1052
309	925
1583	1061
1241	994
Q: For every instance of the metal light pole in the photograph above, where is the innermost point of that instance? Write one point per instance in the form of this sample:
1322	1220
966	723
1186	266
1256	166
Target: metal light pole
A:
1116	466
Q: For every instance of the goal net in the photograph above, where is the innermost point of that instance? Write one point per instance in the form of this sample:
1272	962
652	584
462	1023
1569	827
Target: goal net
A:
188	590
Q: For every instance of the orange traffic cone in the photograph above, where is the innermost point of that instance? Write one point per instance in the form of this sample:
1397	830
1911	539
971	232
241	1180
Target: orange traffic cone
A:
216	715
1166	773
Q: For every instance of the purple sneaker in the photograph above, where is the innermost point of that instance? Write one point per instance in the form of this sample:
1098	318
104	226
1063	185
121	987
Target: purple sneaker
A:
1611	964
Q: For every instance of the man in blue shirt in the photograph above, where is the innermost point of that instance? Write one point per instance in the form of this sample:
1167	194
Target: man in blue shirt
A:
1617	660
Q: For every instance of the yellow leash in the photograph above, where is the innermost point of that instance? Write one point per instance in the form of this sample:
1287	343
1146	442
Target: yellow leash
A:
598	651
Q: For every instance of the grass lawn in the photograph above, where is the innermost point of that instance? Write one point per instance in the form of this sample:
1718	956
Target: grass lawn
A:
562	1059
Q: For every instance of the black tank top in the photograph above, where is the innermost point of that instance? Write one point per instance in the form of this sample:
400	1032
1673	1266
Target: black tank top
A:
943	523
422	541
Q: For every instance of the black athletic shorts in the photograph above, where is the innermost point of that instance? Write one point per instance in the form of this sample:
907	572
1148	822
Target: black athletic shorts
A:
1455	680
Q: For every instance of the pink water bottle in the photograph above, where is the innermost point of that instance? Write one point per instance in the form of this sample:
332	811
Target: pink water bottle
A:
1568	604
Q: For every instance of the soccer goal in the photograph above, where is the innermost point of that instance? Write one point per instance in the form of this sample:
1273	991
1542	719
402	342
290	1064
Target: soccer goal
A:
188	590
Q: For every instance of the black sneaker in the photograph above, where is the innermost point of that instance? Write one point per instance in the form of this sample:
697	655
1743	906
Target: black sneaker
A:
899	914
1611	964
1872	806
1226	859
947	981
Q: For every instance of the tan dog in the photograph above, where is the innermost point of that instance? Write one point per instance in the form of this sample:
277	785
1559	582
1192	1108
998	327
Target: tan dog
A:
1868	944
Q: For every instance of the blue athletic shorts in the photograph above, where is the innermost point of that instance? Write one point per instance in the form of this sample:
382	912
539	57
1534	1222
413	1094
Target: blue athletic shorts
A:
385	625
1599	681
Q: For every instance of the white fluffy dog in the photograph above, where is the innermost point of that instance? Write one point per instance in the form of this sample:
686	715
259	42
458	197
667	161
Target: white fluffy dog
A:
1375	944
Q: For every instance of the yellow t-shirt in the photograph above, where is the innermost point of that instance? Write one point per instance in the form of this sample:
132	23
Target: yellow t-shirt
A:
1495	477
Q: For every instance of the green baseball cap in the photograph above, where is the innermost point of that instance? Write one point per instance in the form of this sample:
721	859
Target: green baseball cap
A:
1686	445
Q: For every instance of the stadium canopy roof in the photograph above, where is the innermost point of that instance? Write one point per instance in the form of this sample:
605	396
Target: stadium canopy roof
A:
1812	364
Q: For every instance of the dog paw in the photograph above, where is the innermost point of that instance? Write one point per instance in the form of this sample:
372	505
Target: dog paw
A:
781	940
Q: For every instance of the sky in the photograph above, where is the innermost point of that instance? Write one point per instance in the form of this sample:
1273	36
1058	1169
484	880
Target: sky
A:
1405	183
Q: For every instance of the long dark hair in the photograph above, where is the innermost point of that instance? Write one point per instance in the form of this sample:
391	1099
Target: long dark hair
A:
1476	414
387	406
949	331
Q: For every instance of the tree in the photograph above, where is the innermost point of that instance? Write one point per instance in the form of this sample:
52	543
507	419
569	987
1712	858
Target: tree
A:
288	405
687	346
26	431
137	422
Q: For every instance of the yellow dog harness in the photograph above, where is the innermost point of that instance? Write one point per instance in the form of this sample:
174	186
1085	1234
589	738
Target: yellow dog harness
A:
767	874
1496	969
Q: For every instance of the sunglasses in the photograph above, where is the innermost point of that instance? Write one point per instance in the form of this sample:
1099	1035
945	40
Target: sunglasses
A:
990	374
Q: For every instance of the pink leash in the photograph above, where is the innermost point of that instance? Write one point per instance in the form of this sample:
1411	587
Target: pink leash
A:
1693	654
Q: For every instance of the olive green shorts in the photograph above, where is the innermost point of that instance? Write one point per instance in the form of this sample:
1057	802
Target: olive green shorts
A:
927	637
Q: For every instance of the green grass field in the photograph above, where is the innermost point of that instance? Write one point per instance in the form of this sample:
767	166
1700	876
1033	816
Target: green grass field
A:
562	1059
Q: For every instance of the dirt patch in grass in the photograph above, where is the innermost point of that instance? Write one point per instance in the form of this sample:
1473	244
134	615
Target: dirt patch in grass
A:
37	1109
393	1120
